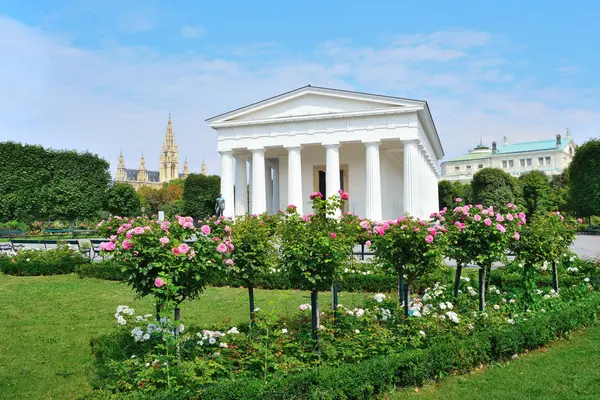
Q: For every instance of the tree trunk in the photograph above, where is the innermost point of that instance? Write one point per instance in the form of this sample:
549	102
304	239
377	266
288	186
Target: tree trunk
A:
457	279
401	290
158	311
314	304
554	276
334	300
251	299
482	280
406	296
177	315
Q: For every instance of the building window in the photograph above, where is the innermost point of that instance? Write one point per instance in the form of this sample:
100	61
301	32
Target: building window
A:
480	166
522	162
504	164
511	163
457	168
541	161
529	162
468	167
547	159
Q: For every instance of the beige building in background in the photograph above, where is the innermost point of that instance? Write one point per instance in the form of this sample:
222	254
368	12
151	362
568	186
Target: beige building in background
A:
549	156
169	166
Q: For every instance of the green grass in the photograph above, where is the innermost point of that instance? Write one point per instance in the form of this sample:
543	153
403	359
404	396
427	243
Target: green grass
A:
47	322
566	370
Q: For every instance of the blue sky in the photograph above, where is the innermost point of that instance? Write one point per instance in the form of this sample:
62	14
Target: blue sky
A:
103	75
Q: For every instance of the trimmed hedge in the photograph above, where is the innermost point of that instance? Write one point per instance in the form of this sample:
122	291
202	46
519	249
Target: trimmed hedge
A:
447	354
42	262
278	281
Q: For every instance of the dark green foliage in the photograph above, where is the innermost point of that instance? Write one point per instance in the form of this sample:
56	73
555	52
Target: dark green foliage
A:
199	195
123	200
38	183
445	355
57	261
536	191
492	186
584	179
559	196
449	191
102	270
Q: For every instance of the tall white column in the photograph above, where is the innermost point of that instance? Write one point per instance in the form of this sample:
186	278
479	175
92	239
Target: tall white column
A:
411	156
227	182
332	171
276	202
259	200
241	186
373	182
268	186
436	194
250	185
295	177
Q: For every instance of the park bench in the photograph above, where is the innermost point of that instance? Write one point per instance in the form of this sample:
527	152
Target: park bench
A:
18	244
74	244
11	233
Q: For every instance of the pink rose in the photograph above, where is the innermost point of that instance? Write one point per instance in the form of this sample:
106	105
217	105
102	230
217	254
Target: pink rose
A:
127	244
229	262
333	235
580	220
499	217
509	217
138	230
304	307
222	248
477	217
345	196
368	243
113	238
227	230
165	225
188	225
159	282
479	206
500	228
378	230
205	229
484	212
231	247
217	222
315	194
164	240
432	231
129	234
487	221
517	236
107	246
365	224
181	220
458	199
305	218
428	239
183	248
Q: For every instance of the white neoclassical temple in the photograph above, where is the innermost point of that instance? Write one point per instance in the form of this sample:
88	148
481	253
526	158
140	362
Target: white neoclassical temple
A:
383	150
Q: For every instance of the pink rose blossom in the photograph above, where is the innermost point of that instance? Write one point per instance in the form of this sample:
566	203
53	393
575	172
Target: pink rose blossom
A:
517	236
127	244
107	246
129	234
138	230
500	228
428	239
499	217
345	196
164	240
477	217
113	238
580	220
227	230
458	199
487	221
183	248
378	230
333	235
165	225
315	194
509	217
305	218
304	307
159	282
180	220
368	243
205	229
222	248
480	206
365	224
188	225
432	231
229	262
217	222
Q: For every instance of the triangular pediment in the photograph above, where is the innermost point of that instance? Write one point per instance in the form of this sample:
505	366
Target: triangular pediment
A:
309	101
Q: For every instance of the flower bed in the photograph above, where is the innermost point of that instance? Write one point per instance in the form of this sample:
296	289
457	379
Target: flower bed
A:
26	262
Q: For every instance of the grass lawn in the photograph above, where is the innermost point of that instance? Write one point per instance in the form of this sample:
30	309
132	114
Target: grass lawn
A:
47	322
566	370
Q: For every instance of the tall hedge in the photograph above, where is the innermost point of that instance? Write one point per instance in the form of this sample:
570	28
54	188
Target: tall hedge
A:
492	186
38	183
199	194
584	178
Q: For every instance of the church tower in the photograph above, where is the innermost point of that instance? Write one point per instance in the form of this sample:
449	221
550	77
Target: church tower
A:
121	173
186	170
142	174
169	159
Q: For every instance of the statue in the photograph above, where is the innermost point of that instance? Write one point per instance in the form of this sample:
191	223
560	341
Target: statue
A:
219	206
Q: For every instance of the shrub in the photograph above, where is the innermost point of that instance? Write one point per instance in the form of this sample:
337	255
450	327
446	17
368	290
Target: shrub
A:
61	260
14	226
108	270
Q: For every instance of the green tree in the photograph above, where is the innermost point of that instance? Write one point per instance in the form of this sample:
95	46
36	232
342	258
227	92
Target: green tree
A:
559	195
584	179
536	191
123	200
448	192
199	195
492	186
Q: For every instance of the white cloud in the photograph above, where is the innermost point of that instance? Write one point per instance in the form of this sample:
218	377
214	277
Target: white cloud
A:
59	95
192	32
